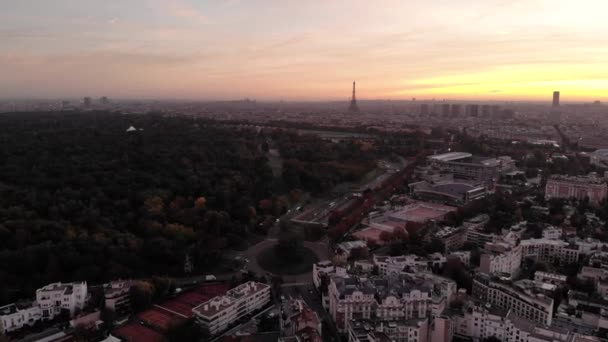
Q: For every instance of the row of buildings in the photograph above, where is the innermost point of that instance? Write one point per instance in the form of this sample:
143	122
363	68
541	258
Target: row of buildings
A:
59	299
50	301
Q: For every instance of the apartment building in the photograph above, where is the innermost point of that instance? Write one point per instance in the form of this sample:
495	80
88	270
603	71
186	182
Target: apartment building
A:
452	237
550	278
579	187
397	264
535	307
547	250
58	296
366	330
220	312
479	320
18	315
117	297
501	259
393	297
475	233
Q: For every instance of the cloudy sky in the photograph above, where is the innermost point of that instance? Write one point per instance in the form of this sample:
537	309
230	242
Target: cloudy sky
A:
304	50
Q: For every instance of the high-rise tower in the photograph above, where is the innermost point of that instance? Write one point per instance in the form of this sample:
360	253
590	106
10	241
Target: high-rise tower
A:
353	102
556	99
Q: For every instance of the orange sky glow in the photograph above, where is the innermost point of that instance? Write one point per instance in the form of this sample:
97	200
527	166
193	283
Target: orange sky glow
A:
305	50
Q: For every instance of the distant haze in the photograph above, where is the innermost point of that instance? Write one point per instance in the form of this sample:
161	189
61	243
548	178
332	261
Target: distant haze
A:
305	50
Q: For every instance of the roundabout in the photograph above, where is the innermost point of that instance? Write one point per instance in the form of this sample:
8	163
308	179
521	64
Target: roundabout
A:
264	260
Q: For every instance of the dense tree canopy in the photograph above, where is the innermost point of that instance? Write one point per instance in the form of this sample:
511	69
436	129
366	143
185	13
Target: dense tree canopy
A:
83	199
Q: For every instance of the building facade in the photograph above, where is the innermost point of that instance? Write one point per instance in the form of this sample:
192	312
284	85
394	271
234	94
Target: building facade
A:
581	187
219	313
535	307
58	296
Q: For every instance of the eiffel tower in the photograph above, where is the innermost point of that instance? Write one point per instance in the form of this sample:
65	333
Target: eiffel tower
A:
353	102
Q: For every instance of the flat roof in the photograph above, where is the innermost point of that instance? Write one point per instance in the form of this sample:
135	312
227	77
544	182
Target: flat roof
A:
450	156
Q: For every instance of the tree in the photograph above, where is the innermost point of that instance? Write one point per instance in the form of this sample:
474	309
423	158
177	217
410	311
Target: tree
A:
141	295
288	247
359	253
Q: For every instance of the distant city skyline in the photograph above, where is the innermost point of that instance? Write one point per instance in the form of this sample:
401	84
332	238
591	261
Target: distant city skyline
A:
280	50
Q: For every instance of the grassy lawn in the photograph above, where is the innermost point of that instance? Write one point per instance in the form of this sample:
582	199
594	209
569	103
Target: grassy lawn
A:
271	263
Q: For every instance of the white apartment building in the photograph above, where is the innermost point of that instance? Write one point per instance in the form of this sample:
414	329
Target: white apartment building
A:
16	316
534	307
57	296
117	296
550	250
220	312
479	321
552	233
501	259
396	264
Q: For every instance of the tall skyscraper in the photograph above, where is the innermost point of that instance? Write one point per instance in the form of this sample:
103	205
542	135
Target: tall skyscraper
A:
445	109
456	109
87	102
473	110
556	99
353	102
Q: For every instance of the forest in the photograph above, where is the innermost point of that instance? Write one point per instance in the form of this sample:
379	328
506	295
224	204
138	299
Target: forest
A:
83	199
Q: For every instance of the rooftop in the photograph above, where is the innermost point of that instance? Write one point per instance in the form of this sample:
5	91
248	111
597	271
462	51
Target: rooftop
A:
450	156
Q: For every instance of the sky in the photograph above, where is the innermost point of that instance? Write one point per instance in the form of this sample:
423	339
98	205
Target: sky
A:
305	50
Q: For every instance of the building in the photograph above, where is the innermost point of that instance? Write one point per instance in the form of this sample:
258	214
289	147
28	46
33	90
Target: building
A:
451	193
550	278
445	110
579	187
18	315
424	109
556	99
57	296
117	297
301	322
345	248
220	312
398	264
477	169
535	307
453	238
394	297
473	110
456	110
549	251
479	321
501	259
87	101
370	330
552	233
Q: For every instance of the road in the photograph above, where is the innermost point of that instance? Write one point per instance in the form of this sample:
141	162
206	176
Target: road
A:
312	298
321	250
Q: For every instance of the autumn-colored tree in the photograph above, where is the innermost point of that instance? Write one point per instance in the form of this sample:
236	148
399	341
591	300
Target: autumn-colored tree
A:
200	202
155	206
